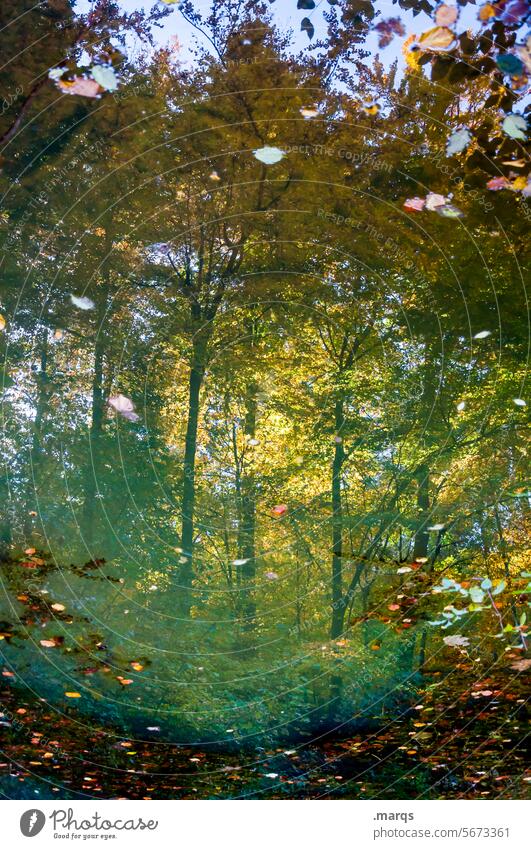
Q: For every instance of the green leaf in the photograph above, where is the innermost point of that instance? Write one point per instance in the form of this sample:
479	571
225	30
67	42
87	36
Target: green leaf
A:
477	595
499	588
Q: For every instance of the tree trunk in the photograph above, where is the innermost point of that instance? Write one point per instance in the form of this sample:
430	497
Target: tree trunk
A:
247	527
36	446
338	607
96	427
420	548
197	373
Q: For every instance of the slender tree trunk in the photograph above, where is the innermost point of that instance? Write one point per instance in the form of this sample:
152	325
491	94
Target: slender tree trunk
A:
36	443
420	548
338	609
338	601
197	373
96	428
247	527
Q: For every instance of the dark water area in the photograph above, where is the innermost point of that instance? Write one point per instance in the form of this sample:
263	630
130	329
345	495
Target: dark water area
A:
264	333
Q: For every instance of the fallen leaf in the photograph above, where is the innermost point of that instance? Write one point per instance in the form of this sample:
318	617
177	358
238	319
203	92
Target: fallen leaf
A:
307	27
124	406
438	38
510	64
73	695
433	201
458	141
456	640
82	303
487	12
521	665
446	15
387	29
515	126
269	155
414	204
82	86
105	77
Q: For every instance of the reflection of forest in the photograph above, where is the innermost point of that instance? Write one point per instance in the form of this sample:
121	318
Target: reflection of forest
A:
273	419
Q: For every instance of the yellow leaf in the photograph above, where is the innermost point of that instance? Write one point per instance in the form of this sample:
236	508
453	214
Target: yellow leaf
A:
486	12
438	38
73	695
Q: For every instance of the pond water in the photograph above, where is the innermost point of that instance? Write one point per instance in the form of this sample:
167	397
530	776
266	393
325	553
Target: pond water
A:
265	338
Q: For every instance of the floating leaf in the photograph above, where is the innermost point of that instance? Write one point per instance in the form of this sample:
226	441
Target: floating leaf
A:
73	695
510	64
446	15
269	155
81	86
477	595
414	204
307	26
438	38
515	126
55	74
433	201
82	303
449	210
458	141
456	640
497	183
522	665
105	77
387	29
124	406
309	112
487	12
